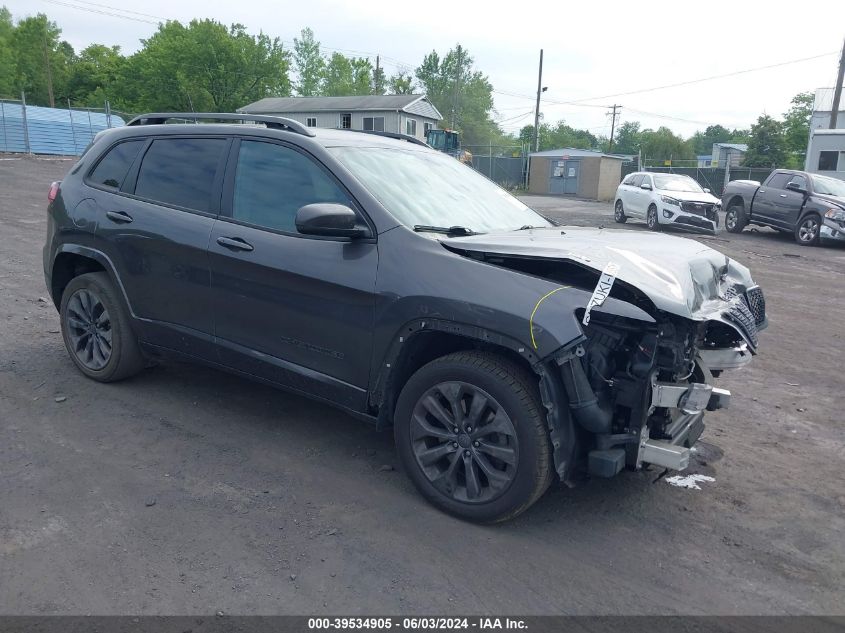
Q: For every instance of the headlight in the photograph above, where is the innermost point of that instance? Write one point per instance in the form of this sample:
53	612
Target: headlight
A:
669	200
836	214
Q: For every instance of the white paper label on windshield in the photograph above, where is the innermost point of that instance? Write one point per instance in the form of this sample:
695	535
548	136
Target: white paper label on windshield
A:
602	290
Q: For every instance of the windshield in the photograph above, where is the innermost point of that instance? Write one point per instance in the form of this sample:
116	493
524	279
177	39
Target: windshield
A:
828	186
677	183
426	188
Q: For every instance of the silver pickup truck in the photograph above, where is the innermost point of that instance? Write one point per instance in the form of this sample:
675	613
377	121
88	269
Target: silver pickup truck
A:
809	206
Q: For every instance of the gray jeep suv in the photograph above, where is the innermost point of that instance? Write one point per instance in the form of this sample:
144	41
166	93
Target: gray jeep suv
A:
373	273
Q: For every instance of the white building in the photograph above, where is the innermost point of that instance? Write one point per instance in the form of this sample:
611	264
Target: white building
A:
406	114
826	147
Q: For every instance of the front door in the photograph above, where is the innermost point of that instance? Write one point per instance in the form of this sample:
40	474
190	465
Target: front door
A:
289	308
563	176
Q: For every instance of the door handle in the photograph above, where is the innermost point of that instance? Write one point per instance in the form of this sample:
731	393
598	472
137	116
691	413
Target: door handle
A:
783	195
761	191
120	217
235	243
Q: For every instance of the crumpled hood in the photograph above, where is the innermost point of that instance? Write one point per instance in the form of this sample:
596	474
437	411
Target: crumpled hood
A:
679	275
690	196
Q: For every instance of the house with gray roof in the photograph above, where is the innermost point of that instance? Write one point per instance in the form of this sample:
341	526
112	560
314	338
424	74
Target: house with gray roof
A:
407	114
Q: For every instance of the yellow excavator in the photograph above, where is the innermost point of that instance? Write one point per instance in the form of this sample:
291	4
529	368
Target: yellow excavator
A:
448	142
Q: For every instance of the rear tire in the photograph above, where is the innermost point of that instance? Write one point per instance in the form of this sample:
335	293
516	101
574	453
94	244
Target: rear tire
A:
619	213
735	217
96	330
808	231
471	434
651	218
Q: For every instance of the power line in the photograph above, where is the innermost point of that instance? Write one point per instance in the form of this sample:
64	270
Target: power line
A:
580	102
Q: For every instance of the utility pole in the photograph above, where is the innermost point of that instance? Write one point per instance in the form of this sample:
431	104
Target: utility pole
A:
615	107
377	87
540	90
49	70
458	72
837	92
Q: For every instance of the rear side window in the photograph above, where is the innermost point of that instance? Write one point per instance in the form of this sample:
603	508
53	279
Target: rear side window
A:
272	182
180	171
779	181
113	167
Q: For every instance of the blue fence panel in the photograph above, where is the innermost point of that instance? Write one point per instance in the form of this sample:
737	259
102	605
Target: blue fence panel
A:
50	130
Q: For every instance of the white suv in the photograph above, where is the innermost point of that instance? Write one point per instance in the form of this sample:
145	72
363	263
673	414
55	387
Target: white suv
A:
663	199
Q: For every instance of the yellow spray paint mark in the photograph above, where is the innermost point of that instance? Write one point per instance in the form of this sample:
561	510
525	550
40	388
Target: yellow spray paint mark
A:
534	311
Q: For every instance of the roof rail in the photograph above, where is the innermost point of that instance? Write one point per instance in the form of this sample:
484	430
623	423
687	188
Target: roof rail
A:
396	135
274	122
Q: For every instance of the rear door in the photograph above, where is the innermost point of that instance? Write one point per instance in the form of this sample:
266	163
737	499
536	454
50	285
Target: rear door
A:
632	192
154	225
293	309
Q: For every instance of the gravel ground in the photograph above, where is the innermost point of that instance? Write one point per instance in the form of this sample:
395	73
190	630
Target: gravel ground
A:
189	491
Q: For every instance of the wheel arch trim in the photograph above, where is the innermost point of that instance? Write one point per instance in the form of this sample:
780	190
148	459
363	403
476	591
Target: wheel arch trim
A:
99	257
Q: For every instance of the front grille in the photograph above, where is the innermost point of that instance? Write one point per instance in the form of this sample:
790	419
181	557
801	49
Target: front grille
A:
698	208
757	305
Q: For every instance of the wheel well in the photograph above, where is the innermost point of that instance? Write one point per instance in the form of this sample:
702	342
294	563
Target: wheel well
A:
735	199
425	347
66	267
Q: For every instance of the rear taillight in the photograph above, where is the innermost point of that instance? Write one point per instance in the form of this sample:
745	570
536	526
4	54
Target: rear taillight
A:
54	190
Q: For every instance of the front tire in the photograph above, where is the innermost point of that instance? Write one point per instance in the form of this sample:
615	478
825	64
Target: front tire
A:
96	331
651	218
619	213
471	434
735	218
808	231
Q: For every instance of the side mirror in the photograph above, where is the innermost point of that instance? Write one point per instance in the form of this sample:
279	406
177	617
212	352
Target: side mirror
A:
646	186
328	219
794	186
706	190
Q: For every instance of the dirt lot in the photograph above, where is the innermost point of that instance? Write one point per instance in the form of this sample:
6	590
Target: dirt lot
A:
189	491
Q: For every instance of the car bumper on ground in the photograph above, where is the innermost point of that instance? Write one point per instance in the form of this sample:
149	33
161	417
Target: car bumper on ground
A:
831	230
689	221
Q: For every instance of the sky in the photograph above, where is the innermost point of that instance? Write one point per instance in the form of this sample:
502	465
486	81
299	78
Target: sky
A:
596	53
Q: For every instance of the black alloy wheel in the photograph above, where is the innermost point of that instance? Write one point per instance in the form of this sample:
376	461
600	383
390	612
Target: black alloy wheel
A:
89	329
464	442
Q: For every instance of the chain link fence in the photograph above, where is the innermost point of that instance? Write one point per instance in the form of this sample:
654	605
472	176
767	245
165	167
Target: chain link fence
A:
505	165
713	178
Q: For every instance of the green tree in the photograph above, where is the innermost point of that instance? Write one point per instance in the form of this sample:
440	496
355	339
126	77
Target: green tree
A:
337	76
796	129
41	60
627	138
463	95
380	84
203	66
7	58
401	83
557	136
767	145
362	75
94	75
309	64
662	144
702	142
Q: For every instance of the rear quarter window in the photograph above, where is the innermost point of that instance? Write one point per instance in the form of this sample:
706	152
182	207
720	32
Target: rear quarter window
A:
111	170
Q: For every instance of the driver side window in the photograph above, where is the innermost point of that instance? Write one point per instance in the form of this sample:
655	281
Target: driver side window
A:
272	182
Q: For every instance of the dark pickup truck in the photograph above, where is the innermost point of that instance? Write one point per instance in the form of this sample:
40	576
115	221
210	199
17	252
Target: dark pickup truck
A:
809	206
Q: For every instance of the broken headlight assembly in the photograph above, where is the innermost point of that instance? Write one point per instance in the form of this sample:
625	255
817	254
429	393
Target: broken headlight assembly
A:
835	213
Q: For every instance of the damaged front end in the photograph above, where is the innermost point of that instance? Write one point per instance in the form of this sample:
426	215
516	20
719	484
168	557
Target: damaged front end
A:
639	394
656	332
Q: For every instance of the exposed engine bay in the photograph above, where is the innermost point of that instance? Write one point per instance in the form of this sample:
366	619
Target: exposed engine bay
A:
641	375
